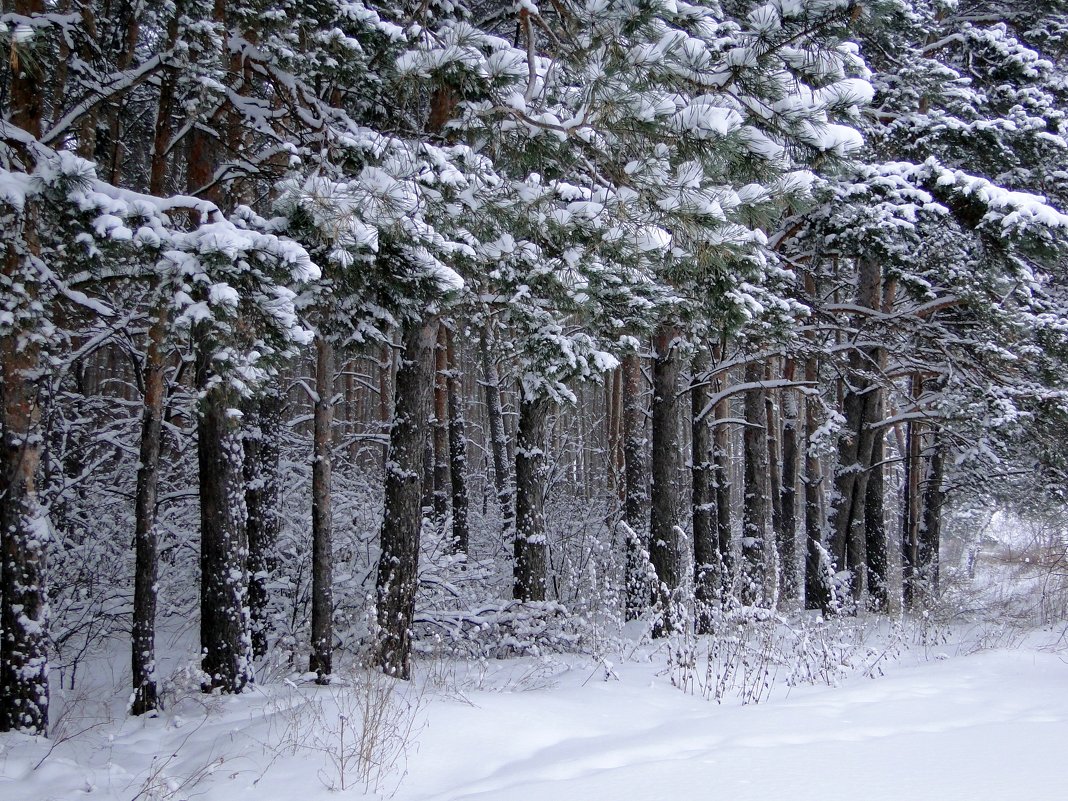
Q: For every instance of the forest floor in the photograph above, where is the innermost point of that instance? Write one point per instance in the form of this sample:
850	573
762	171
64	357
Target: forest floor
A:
959	713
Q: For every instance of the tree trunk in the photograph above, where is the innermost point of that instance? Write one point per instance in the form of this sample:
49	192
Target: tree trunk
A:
861	403
143	633
502	472
756	533
531	546
930	534
322	633
875	528
721	474
398	565
818	594
636	492
910	503
663	520
442	485
705	550
225	634
788	582
263	491
774	438
24	530
457	448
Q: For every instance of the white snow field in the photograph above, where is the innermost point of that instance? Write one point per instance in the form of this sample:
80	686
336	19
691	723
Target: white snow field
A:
991	724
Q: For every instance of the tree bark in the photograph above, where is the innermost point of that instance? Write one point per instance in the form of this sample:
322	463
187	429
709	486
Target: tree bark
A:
861	402
636	492
756	533
225	632
531	546
910	515
818	593
461	536
502	472
263	490
663	520
705	546
24	530
877	547
322	632
442	485
398	565
930	533
143	633
788	580
721	453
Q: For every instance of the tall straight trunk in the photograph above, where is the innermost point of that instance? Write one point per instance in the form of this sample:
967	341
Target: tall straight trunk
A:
614	422
442	486
322	633
461	536
143	632
398	565
818	594
910	514
721	475
774	436
664	542
24	530
531	547
225	631
502	472
636	491
930	533
877	547
263	491
705	546
788	580
757	546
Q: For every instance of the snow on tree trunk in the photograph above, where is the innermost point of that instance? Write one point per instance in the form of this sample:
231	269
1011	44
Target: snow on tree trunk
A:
705	550
457	447
636	498
143	633
531	473
322	633
263	492
502	472
663	520
788	582
754	587
225	631
398	565
24	530
442	485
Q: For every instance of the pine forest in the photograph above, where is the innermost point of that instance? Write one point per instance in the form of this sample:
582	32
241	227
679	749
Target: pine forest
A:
345	345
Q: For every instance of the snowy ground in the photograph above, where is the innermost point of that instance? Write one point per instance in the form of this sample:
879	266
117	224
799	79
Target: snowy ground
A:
942	723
